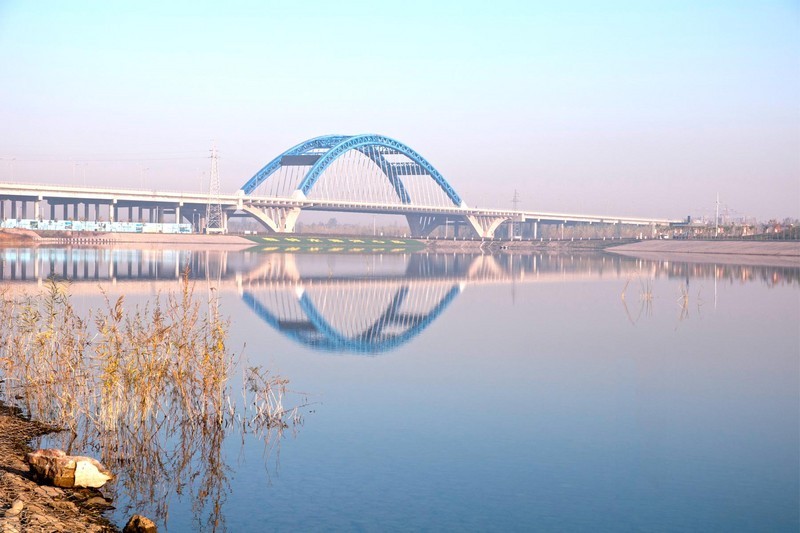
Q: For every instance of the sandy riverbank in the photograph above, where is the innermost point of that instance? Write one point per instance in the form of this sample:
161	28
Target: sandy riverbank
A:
764	253
783	252
16	237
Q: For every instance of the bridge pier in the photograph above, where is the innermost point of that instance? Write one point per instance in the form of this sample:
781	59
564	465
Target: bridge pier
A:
485	226
423	225
279	213
276	219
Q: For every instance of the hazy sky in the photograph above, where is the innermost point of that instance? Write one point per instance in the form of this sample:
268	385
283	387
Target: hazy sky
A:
633	108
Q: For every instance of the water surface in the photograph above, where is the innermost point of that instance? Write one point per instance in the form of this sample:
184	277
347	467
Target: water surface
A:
466	392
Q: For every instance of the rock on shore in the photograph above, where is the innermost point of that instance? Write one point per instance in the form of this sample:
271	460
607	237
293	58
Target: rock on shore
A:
68	471
27	506
140	524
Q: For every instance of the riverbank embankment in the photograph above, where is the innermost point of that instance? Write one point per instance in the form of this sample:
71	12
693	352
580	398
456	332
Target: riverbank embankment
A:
782	253
18	237
522	246
767	253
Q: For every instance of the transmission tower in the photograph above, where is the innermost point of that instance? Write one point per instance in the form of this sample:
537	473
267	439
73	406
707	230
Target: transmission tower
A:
515	225
214	222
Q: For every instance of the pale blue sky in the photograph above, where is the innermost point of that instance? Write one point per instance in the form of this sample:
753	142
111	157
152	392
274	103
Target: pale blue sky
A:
631	108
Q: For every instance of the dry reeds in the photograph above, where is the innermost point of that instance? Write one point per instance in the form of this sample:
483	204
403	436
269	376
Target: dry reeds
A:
145	387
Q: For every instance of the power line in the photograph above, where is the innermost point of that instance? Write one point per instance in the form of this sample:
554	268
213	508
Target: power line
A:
99	160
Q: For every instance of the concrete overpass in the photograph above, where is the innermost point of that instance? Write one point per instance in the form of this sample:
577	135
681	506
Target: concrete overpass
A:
54	202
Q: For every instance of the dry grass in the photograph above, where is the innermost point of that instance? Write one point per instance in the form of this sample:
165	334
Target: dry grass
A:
145	387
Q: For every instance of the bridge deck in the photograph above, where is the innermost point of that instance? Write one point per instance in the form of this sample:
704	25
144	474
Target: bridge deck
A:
59	194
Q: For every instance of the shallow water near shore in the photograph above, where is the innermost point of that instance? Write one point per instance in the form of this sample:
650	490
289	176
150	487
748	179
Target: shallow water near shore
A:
490	392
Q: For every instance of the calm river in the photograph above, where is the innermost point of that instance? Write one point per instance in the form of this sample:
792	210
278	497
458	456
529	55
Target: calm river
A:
586	392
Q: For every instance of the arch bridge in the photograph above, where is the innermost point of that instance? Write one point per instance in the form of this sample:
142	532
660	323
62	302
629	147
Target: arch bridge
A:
368	173
376	174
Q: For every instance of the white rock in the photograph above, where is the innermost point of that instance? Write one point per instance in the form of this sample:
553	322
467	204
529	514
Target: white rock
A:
90	473
62	470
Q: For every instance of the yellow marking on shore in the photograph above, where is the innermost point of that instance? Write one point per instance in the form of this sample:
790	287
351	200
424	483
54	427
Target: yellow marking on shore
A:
291	239
335	240
270	239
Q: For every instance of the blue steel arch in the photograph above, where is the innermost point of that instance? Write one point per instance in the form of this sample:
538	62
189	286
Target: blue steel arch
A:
336	146
325	141
390	173
319	334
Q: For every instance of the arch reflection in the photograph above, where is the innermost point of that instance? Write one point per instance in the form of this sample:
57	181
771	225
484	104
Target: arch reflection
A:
357	318
349	303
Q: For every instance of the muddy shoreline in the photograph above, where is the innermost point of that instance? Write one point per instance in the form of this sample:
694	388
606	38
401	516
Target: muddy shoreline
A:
25	505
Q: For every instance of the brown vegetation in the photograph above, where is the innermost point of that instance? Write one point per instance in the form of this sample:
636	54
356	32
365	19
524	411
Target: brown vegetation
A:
146	388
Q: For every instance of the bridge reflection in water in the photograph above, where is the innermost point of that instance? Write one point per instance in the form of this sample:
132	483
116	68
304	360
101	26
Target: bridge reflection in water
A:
366	304
361	318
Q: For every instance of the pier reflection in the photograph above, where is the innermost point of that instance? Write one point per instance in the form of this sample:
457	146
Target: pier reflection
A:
361	318
365	304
